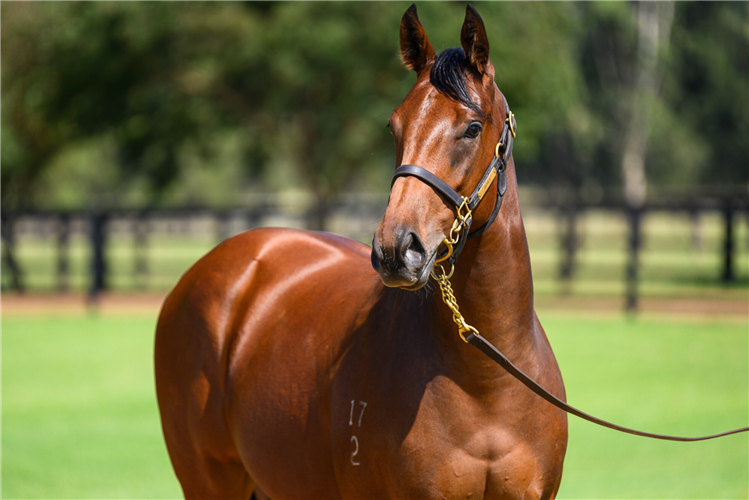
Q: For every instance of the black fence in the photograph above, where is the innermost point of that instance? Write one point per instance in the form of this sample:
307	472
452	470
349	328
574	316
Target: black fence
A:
354	217
98	227
730	207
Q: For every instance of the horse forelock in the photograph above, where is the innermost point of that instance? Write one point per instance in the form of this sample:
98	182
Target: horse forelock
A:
448	75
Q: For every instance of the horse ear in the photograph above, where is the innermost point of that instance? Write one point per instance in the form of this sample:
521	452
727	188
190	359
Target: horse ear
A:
416	50
474	41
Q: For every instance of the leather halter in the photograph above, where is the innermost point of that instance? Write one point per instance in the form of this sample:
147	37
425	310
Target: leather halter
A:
497	168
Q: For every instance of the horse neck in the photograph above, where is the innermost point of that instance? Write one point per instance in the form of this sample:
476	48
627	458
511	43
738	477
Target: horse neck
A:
493	285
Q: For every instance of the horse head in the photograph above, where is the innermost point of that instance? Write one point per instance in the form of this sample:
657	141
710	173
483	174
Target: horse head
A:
447	130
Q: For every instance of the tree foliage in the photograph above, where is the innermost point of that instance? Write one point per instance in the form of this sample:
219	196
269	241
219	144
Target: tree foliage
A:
160	102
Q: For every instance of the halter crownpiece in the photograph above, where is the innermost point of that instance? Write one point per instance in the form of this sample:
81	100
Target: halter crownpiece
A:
464	206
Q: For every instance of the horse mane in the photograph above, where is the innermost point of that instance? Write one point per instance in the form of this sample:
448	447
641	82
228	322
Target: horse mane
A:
448	75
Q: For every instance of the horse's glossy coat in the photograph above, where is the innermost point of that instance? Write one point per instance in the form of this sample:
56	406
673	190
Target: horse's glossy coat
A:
285	367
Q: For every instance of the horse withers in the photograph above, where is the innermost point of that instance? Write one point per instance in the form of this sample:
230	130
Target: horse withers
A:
287	368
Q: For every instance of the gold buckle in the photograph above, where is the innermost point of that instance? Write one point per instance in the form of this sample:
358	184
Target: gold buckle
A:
445	275
458	224
464	217
509	119
447	256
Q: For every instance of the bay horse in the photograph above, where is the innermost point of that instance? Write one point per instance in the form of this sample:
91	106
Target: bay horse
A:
300	365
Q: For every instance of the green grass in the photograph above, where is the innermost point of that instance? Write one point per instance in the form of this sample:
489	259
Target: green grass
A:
79	410
676	378
80	419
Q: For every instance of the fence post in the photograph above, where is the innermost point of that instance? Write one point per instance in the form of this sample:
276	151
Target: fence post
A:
695	226
222	225
98	263
63	254
140	250
634	216
728	274
9	252
569	246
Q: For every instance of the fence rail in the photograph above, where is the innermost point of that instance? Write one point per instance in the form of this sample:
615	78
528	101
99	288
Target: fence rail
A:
90	250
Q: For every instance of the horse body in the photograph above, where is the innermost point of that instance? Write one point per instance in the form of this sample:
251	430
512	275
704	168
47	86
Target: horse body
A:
286	367
367	399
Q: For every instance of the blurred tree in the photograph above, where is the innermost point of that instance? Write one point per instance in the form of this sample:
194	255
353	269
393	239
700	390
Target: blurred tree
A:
141	102
155	80
685	111
321	92
73	71
653	33
708	86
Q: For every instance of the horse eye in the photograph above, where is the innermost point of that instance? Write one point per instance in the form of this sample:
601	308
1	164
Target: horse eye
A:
473	131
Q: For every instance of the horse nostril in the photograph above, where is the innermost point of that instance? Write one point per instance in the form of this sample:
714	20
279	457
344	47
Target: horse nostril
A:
404	257
376	256
413	254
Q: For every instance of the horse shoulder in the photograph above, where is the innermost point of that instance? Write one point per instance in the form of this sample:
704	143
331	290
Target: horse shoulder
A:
276	309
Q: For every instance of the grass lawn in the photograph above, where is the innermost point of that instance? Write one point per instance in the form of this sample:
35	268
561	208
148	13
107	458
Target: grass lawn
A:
79	416
79	410
679	378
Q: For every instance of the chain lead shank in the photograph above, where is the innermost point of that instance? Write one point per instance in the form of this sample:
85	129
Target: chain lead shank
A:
443	277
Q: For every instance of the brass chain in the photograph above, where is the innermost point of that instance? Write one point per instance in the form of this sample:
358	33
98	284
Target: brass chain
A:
461	221
443	279
449	298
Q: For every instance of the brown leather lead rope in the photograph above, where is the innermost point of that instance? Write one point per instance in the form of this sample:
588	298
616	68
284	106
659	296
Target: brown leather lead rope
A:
484	346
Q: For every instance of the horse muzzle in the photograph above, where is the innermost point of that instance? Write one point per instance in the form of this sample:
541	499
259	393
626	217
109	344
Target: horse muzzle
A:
404	262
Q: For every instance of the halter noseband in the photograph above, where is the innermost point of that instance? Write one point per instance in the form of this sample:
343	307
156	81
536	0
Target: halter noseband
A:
497	167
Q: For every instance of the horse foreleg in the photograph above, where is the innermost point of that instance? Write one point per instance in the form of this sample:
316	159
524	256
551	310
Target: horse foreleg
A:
208	479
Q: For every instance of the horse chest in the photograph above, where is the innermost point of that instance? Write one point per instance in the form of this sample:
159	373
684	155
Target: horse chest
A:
439	445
